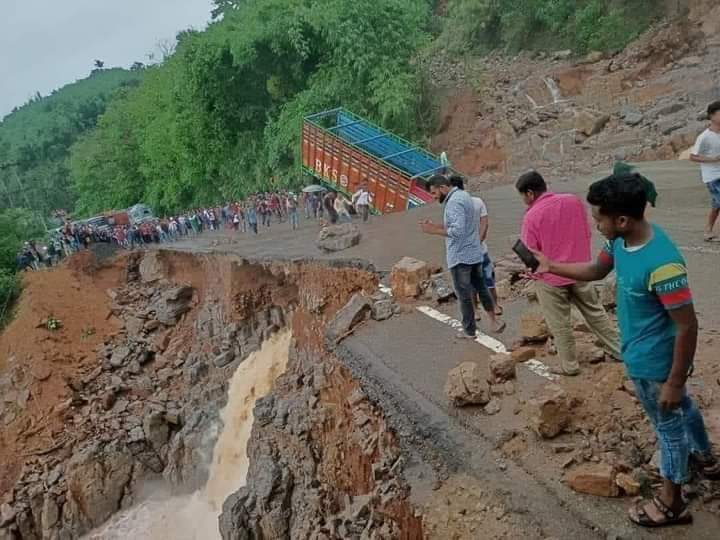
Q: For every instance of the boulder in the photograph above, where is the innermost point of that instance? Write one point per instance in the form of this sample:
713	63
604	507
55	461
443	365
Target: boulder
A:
633	118
594	479
338	237
550	413
172	304
666	109
533	327
666	127
523	354
155	429
502	368
407	276
97	478
382	309
224	358
589	122
493	407
442	291
349	316
119	356
467	385
152	267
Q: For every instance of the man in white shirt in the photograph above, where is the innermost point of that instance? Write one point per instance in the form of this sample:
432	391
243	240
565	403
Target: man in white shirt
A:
706	152
483	224
361	201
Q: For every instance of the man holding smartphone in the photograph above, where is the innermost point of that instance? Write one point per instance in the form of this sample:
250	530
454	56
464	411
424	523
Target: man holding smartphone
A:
557	225
464	252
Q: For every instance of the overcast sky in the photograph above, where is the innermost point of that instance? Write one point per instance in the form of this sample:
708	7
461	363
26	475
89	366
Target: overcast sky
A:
45	44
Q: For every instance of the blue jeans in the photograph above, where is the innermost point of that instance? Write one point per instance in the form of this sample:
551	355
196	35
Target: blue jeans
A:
680	432
488	270
468	281
714	189
293	217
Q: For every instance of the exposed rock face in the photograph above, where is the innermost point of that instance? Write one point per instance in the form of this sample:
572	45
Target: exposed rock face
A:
147	404
352	314
467	385
173	303
338	237
96	481
152	267
309	478
407	277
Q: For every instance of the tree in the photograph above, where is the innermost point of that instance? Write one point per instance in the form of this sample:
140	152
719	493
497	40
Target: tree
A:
137	66
99	64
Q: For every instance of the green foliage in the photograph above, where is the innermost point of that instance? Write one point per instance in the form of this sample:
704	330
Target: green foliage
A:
16	226
222	116
9	291
582	25
36	138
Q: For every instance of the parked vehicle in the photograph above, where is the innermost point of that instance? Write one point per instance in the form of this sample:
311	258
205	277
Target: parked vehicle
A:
343	151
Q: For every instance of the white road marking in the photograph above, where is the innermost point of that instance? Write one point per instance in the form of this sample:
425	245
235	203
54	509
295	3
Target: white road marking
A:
483	339
534	365
538	368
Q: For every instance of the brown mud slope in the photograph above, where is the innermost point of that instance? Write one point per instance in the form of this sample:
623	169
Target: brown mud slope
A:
128	388
36	363
501	116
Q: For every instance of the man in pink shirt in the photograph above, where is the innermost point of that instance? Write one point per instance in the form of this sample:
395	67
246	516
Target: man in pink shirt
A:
557	224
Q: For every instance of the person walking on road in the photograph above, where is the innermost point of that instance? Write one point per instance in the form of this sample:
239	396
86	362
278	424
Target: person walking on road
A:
292	210
252	218
328	203
557	224
481	215
706	152
659	330
464	253
361	201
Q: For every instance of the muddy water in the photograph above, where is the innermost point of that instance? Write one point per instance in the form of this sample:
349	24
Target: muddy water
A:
195	517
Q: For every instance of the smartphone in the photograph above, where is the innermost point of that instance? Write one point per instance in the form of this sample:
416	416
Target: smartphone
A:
526	255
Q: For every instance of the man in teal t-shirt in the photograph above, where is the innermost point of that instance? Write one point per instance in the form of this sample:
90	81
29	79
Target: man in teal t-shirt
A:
658	330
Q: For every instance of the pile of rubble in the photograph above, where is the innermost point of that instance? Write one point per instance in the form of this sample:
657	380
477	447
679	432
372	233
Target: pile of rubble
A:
142	411
573	114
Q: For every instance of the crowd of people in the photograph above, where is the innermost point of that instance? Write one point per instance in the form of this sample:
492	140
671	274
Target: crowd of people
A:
251	216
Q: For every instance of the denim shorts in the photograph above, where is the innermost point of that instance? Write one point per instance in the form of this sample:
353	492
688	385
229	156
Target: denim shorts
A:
488	272
680	432
714	189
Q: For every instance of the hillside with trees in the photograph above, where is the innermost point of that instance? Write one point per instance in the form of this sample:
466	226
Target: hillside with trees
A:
35	139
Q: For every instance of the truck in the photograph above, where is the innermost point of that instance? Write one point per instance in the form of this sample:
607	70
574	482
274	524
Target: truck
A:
343	151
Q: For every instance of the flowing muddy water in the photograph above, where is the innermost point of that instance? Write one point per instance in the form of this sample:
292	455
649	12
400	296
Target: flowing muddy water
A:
195	516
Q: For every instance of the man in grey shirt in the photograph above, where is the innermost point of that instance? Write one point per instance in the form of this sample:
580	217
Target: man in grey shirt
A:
464	252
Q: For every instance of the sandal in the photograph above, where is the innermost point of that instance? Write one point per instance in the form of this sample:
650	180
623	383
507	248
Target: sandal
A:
641	517
707	465
499	311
